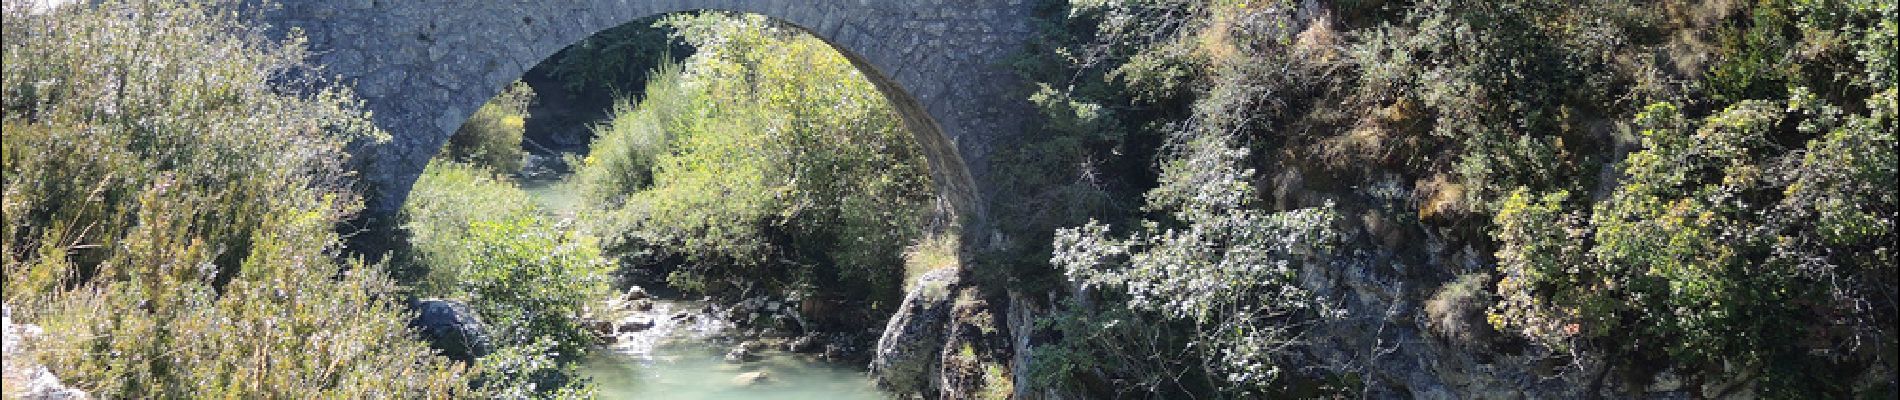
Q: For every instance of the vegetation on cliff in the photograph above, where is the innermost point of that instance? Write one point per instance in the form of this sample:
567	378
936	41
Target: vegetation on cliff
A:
1702	188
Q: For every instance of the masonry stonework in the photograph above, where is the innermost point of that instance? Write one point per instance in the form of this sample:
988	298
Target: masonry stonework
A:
423	66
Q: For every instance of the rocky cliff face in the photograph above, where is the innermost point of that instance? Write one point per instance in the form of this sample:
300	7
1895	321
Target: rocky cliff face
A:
906	359
946	341
1408	330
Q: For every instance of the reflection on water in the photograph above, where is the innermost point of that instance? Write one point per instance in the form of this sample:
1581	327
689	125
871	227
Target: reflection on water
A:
681	357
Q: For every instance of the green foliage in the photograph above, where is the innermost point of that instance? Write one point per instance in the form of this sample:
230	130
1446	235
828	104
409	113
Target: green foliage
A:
492	137
1720	250
478	238
169	207
1225	268
1509	112
765	158
615	60
1506	89
532	370
629	145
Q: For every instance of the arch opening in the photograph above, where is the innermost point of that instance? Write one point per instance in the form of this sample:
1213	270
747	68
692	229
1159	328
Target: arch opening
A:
909	114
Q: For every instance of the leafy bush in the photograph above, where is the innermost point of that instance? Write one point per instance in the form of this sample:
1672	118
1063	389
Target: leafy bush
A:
492	137
1730	255
629	145
1509	119
476	237
169	204
765	158
1225	268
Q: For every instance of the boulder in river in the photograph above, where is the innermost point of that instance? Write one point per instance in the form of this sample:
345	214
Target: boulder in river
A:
635	325
641	305
598	326
804	344
751	378
635	293
453	328
740	354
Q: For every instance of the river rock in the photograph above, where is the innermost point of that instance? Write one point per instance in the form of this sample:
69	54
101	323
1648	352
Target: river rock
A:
641	305
635	293
635	325
453	328
599	327
751	378
740	355
804	344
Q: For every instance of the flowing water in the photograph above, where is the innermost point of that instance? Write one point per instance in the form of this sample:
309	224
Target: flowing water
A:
683	357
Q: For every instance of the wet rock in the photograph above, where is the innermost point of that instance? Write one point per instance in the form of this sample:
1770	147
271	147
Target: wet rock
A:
641	305
837	352
790	324
635	293
453	328
599	327
804	344
740	355
635	325
751	378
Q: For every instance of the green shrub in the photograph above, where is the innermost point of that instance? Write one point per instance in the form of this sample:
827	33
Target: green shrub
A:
478	238
765	158
628	145
492	137
1503	117
1223	269
169	207
1457	311
1722	253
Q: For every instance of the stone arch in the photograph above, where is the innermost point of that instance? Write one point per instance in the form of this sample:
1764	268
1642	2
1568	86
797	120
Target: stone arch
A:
423	66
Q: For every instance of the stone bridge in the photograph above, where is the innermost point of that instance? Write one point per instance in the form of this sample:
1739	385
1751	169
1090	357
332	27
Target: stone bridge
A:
424	66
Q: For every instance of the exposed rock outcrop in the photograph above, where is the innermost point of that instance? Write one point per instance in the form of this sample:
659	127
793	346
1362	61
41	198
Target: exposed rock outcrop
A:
451	327
946	341
908	355
25	379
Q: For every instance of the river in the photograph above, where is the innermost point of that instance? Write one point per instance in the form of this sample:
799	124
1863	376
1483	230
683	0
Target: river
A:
682	355
684	358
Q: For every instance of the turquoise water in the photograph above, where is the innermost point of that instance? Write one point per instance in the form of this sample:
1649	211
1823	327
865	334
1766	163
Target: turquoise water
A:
683	359
697	372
